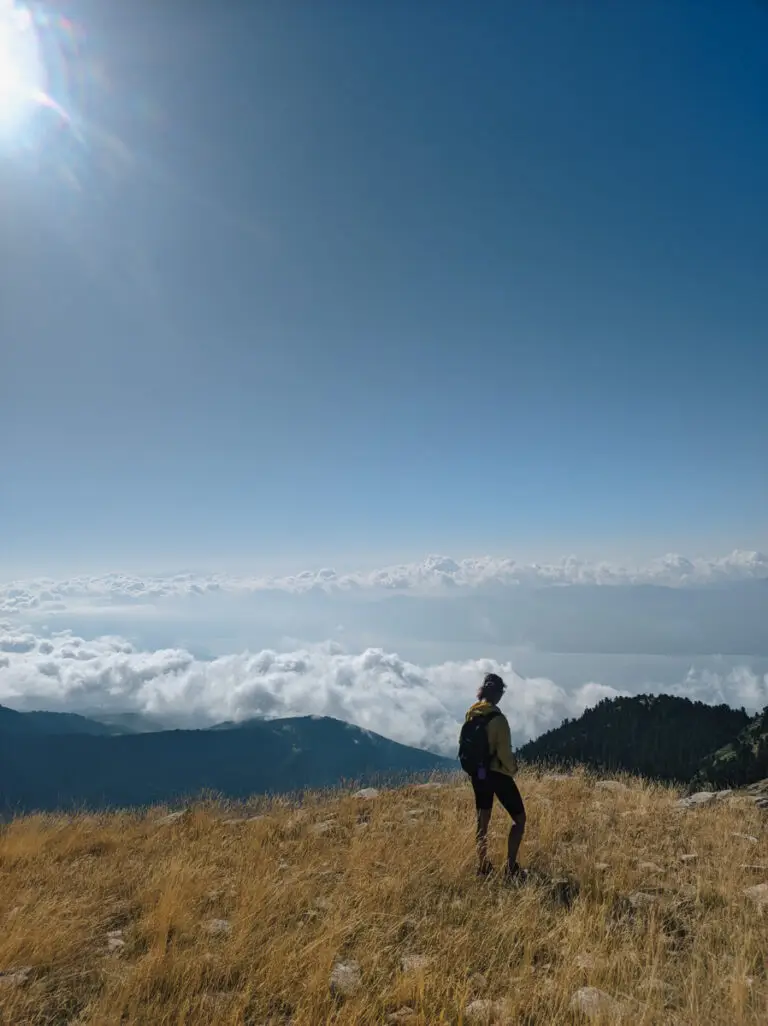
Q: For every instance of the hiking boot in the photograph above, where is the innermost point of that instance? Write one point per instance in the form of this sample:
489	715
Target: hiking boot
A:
515	874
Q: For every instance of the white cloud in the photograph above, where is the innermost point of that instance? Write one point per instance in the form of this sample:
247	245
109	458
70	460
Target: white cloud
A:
374	689
434	575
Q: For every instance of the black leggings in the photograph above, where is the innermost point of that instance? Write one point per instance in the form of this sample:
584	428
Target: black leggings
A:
503	788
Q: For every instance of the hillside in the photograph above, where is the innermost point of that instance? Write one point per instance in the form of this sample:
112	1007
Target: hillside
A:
218	917
49	772
12	722
743	761
657	736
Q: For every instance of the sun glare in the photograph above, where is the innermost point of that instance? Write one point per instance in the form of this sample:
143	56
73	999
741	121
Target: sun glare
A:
22	75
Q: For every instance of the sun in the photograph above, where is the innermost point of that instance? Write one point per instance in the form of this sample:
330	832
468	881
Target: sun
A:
22	74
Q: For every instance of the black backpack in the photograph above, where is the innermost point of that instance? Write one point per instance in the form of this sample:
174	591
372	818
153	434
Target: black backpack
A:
474	751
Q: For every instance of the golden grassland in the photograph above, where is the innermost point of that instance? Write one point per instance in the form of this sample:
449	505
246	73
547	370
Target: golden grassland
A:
387	883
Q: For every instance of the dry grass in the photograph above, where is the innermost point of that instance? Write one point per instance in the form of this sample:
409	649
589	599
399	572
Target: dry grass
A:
383	883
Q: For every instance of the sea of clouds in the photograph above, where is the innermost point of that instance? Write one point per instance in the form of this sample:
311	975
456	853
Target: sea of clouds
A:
399	651
433	576
375	689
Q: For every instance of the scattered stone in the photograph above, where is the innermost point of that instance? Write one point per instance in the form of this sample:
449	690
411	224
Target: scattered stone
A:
401	1015
255	819
485	1012
758	894
323	828
745	837
15	977
650	867
414	963
641	899
431	785
722	795
593	1003
366	793
759	788
696	801
689	858
762	804
584	962
346	979
283	867
601	867
115	941
478	982
610	785
172	817
218	927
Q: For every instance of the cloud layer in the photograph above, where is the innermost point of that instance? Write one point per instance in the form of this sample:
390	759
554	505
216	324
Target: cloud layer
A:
435	575
374	689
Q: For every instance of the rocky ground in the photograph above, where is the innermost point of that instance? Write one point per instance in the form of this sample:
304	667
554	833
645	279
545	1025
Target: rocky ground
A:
643	906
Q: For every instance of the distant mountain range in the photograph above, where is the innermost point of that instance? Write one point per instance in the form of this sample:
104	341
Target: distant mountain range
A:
51	761
662	737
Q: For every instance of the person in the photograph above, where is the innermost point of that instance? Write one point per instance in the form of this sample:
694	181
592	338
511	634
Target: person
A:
497	778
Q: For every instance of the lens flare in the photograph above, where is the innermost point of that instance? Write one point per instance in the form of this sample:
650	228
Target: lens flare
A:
23	79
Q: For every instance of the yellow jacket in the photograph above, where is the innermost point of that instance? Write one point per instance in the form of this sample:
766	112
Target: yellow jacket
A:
499	740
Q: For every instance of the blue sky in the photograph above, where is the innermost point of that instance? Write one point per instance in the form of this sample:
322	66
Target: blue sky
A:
339	282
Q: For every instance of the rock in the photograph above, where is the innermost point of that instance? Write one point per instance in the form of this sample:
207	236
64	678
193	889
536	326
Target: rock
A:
485	1012
172	817
611	785
478	982
431	785
218	927
115	941
696	801
414	963
601	867
594	1003
15	977
762	804
745	837
649	867
641	899
758	894
722	795
401	1015
758	788
346	979
366	793
584	962
323	828
689	858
